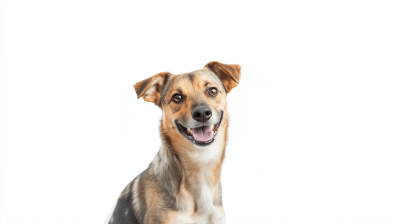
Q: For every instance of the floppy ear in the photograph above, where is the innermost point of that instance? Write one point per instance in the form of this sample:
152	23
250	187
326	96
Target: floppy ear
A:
229	74
150	89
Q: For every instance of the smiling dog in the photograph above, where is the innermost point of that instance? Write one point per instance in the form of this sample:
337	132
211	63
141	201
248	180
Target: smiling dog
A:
182	183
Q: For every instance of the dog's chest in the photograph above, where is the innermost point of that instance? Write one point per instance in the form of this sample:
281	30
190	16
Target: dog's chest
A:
199	207
214	216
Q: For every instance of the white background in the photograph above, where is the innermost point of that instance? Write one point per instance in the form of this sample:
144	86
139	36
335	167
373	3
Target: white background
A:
315	121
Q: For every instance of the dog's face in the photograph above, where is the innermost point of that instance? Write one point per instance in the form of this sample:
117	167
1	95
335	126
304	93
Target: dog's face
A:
193	104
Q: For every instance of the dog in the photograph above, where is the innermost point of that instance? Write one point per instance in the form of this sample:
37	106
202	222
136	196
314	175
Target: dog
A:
182	184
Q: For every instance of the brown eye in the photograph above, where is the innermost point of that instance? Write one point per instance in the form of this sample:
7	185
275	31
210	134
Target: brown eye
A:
213	91
177	98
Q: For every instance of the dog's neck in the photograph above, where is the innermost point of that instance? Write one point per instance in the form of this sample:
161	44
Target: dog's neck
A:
192	172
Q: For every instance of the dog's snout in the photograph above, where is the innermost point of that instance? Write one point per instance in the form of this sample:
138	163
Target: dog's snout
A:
202	113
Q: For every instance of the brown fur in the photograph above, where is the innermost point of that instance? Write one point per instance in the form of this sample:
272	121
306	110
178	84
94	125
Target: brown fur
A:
182	184
157	81
229	74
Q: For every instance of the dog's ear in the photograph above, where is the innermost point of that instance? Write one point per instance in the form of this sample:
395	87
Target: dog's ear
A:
229	74
150	89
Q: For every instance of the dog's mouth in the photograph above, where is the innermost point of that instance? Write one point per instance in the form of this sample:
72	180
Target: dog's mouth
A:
201	136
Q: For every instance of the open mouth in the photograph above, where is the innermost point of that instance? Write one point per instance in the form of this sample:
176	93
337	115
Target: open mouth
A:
201	136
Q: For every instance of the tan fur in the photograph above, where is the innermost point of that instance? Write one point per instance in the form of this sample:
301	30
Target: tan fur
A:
182	184
229	74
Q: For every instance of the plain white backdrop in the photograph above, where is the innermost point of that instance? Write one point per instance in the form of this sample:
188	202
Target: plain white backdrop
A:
315	121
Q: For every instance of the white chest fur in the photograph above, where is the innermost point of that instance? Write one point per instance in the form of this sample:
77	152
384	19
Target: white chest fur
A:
215	216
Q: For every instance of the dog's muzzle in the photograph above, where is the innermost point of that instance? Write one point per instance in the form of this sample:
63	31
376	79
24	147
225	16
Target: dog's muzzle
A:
201	136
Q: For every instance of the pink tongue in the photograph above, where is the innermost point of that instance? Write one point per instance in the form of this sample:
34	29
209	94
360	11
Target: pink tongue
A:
202	134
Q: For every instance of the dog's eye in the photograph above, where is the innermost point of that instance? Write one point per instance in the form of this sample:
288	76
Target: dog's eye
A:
213	91
177	98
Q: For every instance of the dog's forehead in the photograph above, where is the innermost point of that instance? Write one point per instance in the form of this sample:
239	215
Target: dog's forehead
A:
196	77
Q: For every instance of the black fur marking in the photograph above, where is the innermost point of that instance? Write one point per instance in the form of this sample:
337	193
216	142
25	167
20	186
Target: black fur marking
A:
163	86
166	79
123	212
167	84
191	77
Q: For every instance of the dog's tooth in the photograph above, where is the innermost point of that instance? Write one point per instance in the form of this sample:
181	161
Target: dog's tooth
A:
190	131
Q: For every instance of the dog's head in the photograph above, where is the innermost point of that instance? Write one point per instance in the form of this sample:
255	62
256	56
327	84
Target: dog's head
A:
193	104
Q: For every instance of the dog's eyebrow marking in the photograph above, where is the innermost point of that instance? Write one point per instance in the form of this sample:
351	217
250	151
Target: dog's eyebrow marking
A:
191	77
206	83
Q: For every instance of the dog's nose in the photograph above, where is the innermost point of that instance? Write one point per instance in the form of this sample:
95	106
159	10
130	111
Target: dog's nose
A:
202	113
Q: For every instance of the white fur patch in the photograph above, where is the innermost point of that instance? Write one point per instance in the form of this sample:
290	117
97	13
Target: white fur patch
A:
212	153
160	161
152	88
205	198
136	202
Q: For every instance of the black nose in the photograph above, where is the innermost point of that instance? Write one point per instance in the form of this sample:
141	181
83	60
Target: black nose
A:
201	113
